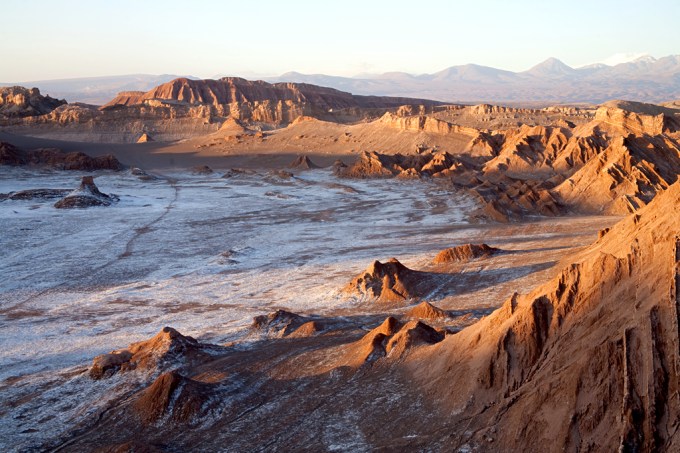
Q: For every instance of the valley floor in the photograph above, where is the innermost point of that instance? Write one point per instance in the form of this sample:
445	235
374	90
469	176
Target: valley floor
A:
205	254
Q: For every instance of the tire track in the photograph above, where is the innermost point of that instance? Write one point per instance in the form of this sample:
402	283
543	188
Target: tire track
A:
90	272
139	232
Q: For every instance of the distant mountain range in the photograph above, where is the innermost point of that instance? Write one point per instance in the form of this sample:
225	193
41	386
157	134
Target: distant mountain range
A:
645	79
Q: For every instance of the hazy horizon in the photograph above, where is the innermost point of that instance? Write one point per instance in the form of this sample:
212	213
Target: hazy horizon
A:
611	61
80	39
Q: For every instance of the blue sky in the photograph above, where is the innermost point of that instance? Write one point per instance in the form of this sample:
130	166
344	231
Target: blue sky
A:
61	39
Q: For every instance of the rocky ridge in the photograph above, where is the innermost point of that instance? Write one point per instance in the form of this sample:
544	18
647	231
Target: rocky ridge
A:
19	102
184	108
614	164
259	102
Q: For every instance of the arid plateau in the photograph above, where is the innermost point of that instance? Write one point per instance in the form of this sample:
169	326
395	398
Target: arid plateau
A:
236	265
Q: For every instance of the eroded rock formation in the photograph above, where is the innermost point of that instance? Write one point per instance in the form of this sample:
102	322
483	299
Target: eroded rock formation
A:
149	355
378	165
201	170
85	196
426	310
18	102
303	163
258	101
33	194
56	159
464	253
144	138
589	358
613	164
389	282
279	323
623	177
173	398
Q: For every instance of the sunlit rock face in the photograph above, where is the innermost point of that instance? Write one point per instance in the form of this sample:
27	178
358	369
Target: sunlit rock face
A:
18	102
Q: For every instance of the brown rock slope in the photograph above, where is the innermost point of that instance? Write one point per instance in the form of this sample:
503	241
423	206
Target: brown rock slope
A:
366	350
528	150
172	398
389	342
588	361
623	177
614	164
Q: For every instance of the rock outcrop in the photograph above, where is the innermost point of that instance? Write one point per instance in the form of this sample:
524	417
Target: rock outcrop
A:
389	282
414	333
426	310
11	155
626	121
201	170
56	159
125	98
378	165
624	177
308	329
391	340
371	346
85	196
33	194
144	138
162	350
425	123
174	398
18	102
142	175
613	164
464	253
278	324
528	150
303	163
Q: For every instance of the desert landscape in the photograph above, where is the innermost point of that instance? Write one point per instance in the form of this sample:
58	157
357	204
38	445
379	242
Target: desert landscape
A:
467	260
